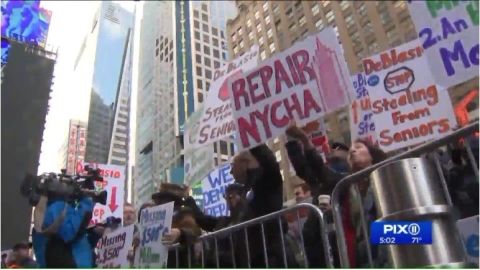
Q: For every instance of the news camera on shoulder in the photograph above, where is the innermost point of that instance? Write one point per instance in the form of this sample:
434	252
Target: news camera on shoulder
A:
63	186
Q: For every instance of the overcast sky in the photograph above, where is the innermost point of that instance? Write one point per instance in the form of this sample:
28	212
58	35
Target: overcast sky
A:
69	25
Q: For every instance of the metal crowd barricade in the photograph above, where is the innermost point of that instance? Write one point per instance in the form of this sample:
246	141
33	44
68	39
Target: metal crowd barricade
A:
260	221
423	149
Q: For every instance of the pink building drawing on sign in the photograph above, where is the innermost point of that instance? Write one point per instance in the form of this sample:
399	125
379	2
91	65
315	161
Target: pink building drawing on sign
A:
330	80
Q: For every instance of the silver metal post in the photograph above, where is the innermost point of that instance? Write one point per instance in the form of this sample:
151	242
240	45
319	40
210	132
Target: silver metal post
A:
283	243
247	246
189	257
232	251
301	239
442	178
203	254
216	253
325	242
471	157
176	257
264	245
364	225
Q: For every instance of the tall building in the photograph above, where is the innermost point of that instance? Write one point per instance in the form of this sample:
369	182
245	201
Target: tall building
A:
103	67
73	150
180	47
26	84
363	28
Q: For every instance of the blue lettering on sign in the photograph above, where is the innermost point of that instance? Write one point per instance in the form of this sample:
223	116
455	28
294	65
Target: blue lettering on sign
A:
223	177
366	125
401	232
359	84
217	210
213	196
459	53
153	233
373	80
472	245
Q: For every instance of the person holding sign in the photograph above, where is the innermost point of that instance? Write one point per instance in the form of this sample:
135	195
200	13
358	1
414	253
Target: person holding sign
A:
309	166
258	171
184	227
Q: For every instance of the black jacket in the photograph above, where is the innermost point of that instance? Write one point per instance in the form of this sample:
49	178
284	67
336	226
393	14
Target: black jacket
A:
267	198
310	167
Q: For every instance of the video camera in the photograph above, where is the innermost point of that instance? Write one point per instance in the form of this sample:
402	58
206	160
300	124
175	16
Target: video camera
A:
63	186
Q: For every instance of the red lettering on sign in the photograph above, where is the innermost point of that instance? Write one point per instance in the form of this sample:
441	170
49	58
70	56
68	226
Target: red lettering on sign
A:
392	58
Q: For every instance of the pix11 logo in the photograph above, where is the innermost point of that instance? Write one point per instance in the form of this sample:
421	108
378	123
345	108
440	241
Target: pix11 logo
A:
401	233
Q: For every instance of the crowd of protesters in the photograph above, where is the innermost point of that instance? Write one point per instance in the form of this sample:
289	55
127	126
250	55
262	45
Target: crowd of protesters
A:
258	191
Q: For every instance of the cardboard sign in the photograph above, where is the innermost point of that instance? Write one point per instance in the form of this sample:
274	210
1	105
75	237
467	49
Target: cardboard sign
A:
468	228
198	161
216	121
448	30
114	184
361	116
213	187
155	222
113	248
301	83
408	107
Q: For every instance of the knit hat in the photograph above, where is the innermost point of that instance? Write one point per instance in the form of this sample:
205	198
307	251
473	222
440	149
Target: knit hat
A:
324	199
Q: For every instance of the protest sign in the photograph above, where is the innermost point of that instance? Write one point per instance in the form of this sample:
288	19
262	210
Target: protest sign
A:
114	183
113	248
301	83
468	228
317	133
213	187
154	223
361	121
198	161
216	121
408	107
448	30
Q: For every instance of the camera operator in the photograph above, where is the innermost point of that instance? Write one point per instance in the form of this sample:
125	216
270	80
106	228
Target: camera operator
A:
61	240
63	210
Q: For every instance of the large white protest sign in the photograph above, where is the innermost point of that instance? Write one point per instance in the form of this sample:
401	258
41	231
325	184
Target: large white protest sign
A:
361	121
468	228
449	33
113	248
216	122
114	183
198	161
213	187
408	107
154	223
301	83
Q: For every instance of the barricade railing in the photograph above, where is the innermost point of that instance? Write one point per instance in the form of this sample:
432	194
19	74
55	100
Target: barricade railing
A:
243	227
424	149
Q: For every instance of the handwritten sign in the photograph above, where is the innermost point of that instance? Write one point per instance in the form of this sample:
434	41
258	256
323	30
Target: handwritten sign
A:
213	187
216	120
408	107
301	83
113	248
198	161
155	222
449	32
361	116
114	184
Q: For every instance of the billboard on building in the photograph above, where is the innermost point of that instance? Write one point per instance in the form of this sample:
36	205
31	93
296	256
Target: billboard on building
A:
25	21
5	48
